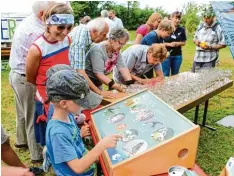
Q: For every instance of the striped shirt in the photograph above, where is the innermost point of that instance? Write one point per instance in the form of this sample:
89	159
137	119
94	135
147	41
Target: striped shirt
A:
81	42
212	37
25	34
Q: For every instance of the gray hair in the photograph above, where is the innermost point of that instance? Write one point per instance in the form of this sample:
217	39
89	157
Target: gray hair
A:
39	6
97	23
118	33
85	20
104	13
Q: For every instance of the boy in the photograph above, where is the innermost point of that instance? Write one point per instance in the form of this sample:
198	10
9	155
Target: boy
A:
164	30
69	91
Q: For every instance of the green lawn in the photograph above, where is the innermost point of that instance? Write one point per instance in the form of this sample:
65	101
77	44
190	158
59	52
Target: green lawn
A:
215	147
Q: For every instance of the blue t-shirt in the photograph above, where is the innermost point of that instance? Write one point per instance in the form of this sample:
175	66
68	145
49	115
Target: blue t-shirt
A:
151	38
64	143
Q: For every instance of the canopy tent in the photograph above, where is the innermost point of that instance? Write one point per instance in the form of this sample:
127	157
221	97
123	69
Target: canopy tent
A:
224	11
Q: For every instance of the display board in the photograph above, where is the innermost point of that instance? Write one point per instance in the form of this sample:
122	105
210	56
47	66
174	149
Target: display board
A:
144	121
8	26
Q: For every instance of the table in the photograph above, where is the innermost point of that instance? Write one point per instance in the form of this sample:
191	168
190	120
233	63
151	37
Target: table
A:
5	51
182	108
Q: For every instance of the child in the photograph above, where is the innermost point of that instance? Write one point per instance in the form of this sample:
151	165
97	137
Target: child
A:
69	91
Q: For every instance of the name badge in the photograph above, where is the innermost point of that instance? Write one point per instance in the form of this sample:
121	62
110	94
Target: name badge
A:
173	36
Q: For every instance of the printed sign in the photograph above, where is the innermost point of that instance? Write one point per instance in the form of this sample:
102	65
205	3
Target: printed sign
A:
8	26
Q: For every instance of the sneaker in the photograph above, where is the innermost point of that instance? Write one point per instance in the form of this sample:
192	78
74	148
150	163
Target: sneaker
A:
46	162
36	170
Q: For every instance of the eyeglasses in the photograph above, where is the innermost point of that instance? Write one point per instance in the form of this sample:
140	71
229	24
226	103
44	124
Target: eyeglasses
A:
121	44
63	27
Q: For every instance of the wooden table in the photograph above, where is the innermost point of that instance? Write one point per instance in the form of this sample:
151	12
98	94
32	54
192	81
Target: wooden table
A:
187	105
5	51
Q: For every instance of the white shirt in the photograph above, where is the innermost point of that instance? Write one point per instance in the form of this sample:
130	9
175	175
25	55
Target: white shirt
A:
118	22
25	34
111	25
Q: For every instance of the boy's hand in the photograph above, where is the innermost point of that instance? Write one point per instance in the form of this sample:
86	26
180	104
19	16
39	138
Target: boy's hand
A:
84	131
110	141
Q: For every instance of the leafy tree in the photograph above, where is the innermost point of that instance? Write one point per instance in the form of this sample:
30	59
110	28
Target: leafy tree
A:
132	15
190	19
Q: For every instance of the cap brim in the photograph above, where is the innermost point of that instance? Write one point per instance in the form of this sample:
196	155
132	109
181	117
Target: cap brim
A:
91	101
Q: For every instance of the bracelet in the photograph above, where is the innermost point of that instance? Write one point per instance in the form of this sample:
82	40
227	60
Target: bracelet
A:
110	84
129	82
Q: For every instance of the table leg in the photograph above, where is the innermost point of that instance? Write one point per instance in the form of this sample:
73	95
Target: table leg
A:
196	114
204	117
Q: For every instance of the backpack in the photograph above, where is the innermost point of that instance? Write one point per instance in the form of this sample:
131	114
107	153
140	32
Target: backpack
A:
213	27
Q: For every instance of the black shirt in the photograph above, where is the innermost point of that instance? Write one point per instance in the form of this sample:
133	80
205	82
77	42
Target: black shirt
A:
178	36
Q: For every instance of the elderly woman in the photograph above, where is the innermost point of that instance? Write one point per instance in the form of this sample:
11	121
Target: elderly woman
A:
49	49
103	57
140	59
151	24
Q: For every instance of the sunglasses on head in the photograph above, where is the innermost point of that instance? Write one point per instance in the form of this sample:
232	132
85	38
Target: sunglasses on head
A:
63	27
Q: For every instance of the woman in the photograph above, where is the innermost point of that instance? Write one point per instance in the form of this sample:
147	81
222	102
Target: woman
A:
150	25
140	59
103	57
49	49
171	65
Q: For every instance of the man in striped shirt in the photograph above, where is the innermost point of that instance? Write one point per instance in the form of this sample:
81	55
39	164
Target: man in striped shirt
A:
27	31
82	37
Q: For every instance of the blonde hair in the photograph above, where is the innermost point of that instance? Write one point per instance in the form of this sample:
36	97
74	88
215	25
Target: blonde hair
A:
158	51
166	25
112	11
56	8
154	17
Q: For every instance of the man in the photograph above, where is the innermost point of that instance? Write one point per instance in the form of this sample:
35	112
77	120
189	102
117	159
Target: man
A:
9	157
209	39
118	22
82	38
27	31
111	24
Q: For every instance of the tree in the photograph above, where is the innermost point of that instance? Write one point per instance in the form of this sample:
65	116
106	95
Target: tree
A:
190	19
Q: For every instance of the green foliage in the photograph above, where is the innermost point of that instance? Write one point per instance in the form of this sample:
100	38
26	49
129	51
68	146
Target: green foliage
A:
130	13
190	20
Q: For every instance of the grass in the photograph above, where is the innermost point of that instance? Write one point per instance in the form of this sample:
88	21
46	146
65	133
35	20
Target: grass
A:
215	147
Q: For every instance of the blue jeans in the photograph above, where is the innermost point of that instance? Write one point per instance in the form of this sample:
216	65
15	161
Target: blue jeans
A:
171	64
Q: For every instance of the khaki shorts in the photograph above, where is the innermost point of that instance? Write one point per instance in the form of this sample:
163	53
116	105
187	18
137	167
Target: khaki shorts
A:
4	136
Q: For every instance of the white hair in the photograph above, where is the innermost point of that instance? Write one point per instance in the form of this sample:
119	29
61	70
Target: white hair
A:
104	13
97	23
39	6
